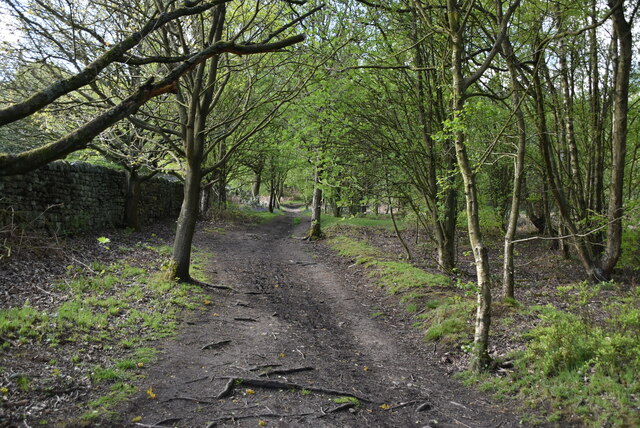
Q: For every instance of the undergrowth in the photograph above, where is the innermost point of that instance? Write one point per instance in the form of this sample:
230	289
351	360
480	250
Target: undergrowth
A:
575	366
114	307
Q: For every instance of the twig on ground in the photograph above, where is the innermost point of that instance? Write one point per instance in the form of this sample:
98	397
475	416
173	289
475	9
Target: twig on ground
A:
245	319
164	422
403	404
195	400
228	389
285	371
213	345
257	415
424	406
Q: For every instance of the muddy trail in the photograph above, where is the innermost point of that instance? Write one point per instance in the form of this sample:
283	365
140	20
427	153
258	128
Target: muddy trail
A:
289	345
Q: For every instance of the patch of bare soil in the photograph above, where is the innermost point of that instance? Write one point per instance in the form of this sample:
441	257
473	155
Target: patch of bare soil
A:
299	342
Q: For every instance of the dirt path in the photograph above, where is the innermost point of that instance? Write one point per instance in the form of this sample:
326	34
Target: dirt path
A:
293	309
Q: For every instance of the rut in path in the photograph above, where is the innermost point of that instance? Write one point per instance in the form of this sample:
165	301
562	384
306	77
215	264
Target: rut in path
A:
301	332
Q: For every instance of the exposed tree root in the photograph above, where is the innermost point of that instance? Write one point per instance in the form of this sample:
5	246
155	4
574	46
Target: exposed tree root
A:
340	408
268	372
207	285
228	389
276	384
195	400
214	422
245	319
214	345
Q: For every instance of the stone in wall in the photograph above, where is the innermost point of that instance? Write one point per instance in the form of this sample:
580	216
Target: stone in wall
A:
66	198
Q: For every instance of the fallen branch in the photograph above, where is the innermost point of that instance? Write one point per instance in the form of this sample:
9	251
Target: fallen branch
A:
423	407
285	371
245	319
263	367
213	345
195	400
258	415
276	384
228	389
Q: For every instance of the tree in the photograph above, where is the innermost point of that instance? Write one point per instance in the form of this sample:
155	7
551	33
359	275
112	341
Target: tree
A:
212	87
16	163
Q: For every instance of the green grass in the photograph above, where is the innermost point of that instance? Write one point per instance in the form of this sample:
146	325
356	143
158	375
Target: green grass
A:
102	407
449	320
574	369
257	216
346	400
77	314
25	322
445	319
101	374
119	306
381	222
358	250
399	277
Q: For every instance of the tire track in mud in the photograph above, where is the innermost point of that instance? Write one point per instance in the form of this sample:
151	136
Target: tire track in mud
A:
293	308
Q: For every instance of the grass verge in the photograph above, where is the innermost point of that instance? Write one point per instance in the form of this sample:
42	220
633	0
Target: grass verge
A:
576	365
96	333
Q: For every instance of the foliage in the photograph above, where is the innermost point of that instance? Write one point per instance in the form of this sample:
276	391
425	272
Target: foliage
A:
586	371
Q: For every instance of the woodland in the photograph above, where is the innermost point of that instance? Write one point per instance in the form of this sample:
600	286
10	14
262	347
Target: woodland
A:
483	134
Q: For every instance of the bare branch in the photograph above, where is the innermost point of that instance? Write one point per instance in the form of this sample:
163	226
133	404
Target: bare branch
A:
64	86
11	164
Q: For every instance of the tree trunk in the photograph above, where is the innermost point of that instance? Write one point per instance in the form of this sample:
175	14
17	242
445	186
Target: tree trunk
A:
315	231
257	183
444	223
447	241
575	177
582	245
205	200
480	355
194	120
221	190
132	200
622	68
596	182
518	173
181	257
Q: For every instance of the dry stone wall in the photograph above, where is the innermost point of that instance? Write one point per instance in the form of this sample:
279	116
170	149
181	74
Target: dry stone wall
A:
67	198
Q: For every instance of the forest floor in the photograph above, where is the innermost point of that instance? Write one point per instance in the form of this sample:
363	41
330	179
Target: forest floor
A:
299	334
297	340
286	333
